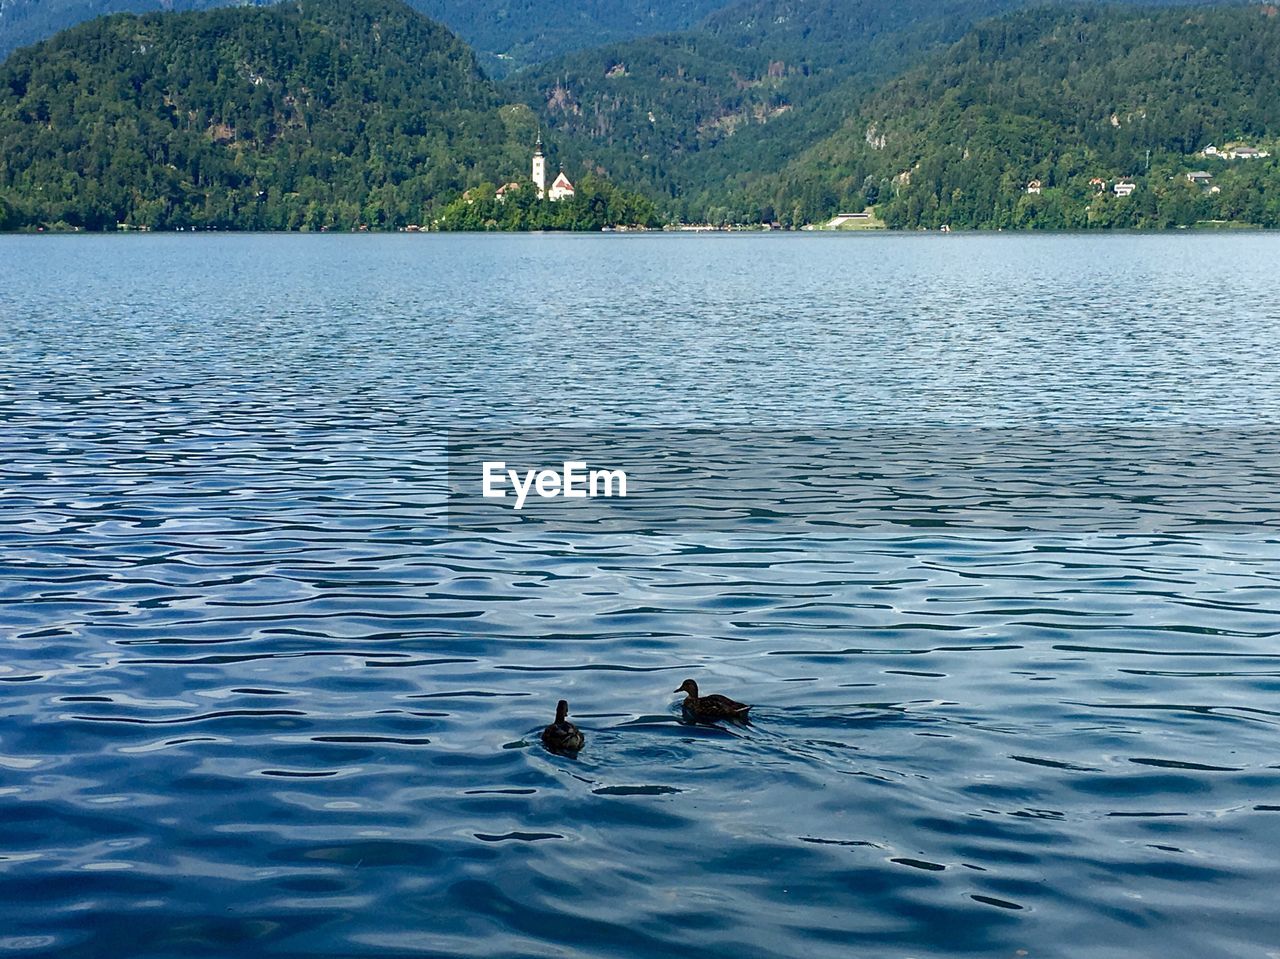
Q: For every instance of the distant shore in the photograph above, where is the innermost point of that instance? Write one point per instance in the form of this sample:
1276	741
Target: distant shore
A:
681	230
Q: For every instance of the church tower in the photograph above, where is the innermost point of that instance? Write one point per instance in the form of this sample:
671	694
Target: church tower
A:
540	169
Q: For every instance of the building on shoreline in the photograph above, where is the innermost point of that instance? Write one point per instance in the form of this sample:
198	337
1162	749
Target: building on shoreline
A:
561	189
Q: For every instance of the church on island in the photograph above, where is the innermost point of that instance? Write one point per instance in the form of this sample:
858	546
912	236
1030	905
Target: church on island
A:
561	188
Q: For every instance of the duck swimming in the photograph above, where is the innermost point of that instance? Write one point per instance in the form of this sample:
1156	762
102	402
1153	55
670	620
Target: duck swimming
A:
714	706
563	736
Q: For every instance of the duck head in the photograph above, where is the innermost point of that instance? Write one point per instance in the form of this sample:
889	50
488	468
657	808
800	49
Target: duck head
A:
690	687
562	710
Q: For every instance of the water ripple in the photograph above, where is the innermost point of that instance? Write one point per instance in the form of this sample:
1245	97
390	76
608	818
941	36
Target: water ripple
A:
265	691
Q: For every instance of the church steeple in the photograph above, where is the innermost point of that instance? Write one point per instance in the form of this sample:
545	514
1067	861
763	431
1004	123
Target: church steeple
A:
540	169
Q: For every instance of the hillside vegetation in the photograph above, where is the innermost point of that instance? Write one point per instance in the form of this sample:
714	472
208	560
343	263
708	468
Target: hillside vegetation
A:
698	114
1064	98
709	117
24	22
510	34
507	34
323	113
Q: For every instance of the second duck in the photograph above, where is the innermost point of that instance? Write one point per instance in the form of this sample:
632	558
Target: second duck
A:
713	706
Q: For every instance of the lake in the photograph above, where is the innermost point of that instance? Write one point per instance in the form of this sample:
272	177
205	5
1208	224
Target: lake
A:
985	527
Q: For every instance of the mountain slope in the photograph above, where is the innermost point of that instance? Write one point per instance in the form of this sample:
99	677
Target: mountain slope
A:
23	22
506	33
1064	99
682	113
706	115
510	34
319	113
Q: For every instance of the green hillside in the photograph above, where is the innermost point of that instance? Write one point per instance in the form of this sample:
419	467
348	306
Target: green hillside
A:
507	34
24	22
510	34
320	114
695	115
323	113
1064	98
708	116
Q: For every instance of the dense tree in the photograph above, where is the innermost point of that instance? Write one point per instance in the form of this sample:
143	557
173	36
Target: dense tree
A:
708	117
28	21
9	216
323	114
597	204
1067	98
511	34
308	115
508	34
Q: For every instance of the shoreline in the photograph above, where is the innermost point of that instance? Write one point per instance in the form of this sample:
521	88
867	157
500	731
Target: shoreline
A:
738	231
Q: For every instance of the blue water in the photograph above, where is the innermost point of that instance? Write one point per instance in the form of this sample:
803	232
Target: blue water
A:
993	551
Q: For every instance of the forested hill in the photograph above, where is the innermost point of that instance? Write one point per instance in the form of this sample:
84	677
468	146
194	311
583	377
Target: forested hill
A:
339	113
510	34
23	22
657	109
1077	100
318	113
704	115
507	33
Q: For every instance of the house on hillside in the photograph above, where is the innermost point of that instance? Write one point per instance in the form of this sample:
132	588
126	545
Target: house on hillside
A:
1034	187
1124	188
505	190
1099	185
1200	178
1234	151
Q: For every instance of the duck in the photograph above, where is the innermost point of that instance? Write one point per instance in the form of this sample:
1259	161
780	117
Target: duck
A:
563	736
713	706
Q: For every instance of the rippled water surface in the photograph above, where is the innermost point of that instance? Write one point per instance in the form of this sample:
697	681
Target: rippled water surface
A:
986	527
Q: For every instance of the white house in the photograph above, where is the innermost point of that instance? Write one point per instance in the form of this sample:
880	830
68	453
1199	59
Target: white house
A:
1034	187
1124	188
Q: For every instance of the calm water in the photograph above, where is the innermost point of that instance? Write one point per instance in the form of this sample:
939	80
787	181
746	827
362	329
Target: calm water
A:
1007	606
